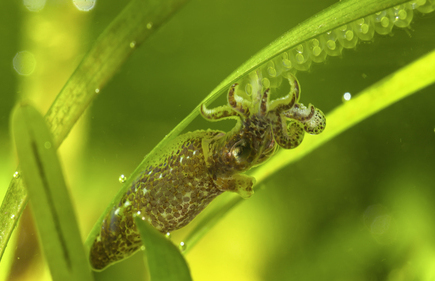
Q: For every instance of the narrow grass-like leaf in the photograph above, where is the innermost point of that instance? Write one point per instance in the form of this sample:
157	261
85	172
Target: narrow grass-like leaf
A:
330	18
400	84
165	262
132	27
50	202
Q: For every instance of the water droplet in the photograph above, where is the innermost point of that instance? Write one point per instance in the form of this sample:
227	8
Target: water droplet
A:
24	63
16	175
12	217
149	25
132	44
34	5
47	145
122	178
346	97
168	235
84	5
97	91
182	246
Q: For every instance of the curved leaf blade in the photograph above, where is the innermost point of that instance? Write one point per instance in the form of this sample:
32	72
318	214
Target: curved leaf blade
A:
132	27
165	262
51	205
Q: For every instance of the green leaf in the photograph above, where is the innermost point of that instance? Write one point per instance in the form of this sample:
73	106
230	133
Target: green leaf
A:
165	262
133	26
50	202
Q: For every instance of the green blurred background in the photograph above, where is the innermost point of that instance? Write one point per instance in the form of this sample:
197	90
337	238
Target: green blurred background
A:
360	207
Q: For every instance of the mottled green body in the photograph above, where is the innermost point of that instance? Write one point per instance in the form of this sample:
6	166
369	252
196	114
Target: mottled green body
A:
193	169
168	194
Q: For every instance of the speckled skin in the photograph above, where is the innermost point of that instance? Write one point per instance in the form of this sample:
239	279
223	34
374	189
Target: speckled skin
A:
198	166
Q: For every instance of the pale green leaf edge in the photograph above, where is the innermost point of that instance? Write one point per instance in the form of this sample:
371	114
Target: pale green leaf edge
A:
393	88
334	16
165	261
51	204
137	21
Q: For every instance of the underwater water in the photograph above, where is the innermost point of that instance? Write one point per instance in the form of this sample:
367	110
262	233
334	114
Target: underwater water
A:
357	208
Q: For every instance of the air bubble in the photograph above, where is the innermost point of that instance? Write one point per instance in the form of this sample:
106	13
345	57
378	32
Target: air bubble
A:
122	178
24	63
182	246
168	235
346	97
16	175
84	5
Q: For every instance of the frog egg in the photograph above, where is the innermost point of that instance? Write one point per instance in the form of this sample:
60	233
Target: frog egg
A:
300	57
331	45
364	28
317	51
425	7
286	63
265	82
270	69
403	15
346	36
383	22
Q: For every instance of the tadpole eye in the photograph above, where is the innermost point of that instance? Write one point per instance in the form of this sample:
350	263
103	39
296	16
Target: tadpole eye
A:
241	150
